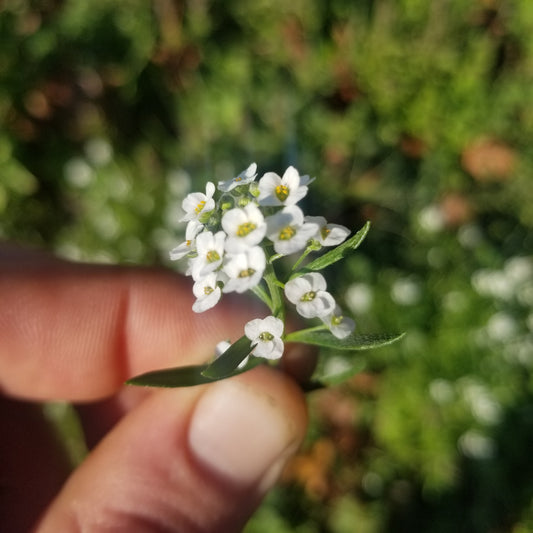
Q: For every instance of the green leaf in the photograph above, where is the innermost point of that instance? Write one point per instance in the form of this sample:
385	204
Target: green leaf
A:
184	376
352	342
181	376
338	253
226	364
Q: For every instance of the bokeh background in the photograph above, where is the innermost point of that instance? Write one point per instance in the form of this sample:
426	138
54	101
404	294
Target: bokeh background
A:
416	115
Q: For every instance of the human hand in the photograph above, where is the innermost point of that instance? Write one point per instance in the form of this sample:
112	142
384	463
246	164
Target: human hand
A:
193	459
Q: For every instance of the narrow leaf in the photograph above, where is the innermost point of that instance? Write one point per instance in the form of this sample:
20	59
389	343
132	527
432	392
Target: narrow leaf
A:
340	252
181	376
352	342
184	376
226	364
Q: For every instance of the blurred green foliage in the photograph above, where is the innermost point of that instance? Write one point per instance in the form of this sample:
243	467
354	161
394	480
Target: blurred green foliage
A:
416	115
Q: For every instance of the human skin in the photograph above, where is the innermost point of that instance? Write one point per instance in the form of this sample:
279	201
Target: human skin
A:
195	459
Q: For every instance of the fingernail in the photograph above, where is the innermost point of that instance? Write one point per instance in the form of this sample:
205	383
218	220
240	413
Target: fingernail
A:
241	434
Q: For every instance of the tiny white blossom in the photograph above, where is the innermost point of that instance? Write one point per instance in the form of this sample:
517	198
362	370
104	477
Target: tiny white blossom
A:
288	230
328	234
286	190
207	293
196	204
222	347
244	270
210	250
245	227
189	245
265	334
244	178
341	326
308	293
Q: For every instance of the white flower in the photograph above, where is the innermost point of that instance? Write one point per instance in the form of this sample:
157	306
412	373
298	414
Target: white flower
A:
196	204
223	346
265	334
244	270
245	227
288	231
287	190
207	293
341	326
308	293
328	234
244	178
210	250
193	228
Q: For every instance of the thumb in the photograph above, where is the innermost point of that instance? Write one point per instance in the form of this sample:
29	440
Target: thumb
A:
186	460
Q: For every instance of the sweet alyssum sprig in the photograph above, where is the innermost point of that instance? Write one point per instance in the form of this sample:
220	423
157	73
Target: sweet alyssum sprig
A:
235	233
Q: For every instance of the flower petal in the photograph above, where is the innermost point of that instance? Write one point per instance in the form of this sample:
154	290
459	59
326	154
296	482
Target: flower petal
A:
274	325
291	178
252	329
296	288
316	280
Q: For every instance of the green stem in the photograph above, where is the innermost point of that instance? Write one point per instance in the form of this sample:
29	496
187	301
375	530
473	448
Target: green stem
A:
276	297
312	246
306	252
296	336
262	294
275	257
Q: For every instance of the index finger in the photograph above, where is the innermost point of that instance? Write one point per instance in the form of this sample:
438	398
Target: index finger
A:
77	332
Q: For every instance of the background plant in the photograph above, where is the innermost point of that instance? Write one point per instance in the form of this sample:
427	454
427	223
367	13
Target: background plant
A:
414	115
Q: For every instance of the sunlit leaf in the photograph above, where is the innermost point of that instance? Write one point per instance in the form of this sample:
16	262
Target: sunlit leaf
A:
340	252
352	342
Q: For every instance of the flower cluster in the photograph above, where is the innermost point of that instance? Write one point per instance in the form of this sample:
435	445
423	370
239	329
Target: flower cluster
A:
236	231
233	238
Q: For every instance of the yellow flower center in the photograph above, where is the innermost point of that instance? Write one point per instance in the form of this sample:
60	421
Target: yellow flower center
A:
246	273
199	207
308	296
325	232
337	320
282	192
245	229
212	256
266	336
287	233
208	290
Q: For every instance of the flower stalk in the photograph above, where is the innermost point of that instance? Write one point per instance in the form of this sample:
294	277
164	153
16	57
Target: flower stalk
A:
278	305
